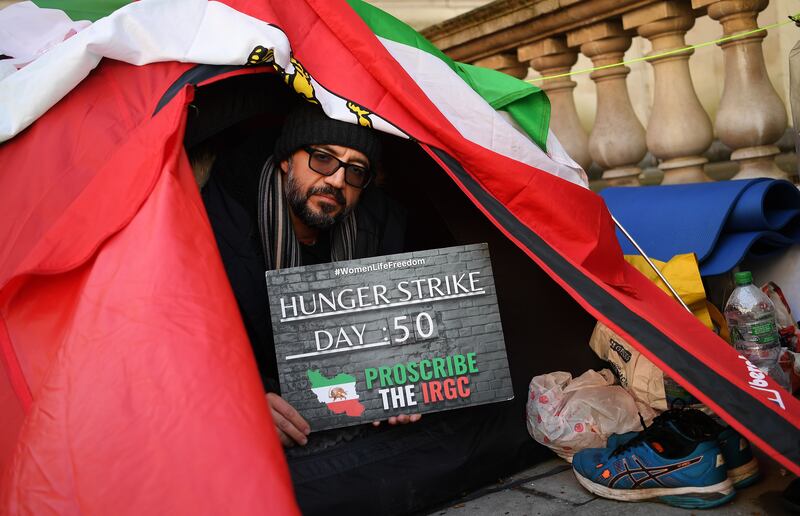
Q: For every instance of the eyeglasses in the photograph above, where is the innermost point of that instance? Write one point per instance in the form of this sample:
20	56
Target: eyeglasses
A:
326	164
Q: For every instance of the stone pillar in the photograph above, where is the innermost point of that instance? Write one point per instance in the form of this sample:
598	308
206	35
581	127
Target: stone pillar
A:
617	141
506	63
751	116
679	130
552	56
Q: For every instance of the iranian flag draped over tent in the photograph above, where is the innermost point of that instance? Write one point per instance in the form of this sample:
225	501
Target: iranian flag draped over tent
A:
127	384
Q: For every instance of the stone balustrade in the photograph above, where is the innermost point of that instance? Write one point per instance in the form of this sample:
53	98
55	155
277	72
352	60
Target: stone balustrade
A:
548	36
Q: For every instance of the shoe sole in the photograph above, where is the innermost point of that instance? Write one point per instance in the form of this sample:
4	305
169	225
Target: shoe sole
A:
745	475
700	497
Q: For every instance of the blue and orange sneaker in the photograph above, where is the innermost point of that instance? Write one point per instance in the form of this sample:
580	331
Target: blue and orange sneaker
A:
695	424
658	464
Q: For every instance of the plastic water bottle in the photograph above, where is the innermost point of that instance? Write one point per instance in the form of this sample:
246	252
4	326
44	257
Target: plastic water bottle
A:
751	321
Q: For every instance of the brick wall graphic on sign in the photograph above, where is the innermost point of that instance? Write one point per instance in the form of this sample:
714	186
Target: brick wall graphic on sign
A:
367	339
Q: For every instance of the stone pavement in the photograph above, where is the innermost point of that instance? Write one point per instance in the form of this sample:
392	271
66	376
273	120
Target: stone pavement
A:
550	488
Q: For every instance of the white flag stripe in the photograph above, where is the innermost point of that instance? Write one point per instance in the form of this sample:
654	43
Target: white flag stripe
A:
480	123
336	393
141	32
150	31
26	31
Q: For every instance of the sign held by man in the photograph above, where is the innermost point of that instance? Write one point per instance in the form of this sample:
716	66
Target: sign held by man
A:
364	340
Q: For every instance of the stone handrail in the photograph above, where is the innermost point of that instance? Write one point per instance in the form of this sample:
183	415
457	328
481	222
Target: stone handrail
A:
508	24
548	35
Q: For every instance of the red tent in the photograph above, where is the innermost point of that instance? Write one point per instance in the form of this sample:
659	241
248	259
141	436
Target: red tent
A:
127	383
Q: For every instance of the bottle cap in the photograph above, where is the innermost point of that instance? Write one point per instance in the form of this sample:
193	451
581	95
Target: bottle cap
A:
743	278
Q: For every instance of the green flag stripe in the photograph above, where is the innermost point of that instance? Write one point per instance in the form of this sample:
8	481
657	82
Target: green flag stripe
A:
91	10
530	108
387	26
317	379
526	103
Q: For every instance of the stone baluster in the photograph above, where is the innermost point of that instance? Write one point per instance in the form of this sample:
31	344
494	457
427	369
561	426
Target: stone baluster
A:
552	56
506	63
617	140
679	130
751	116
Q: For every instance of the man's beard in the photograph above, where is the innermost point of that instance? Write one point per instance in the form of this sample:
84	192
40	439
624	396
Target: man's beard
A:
299	203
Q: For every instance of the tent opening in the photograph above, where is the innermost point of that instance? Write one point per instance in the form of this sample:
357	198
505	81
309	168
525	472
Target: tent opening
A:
545	329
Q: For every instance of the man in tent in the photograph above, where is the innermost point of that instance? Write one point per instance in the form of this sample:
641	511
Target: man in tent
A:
298	208
127	385
313	201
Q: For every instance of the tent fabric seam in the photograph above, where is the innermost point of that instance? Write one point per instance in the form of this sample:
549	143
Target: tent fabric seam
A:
13	368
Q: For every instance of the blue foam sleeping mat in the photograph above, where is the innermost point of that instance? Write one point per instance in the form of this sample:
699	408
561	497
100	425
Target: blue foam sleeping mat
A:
721	222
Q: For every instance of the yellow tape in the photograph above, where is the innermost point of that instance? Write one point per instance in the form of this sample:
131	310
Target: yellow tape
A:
792	19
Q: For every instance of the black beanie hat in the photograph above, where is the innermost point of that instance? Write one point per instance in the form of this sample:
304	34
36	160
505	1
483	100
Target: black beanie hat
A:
307	124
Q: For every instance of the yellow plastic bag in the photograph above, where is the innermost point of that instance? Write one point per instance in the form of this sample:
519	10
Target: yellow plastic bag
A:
683	274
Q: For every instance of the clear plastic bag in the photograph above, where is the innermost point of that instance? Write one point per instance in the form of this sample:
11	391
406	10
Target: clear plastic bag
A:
568	415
